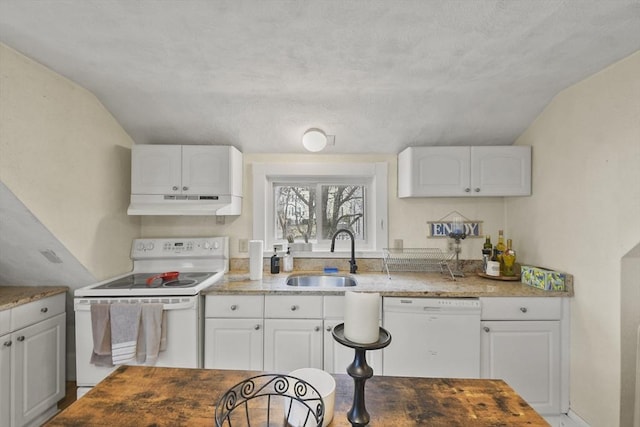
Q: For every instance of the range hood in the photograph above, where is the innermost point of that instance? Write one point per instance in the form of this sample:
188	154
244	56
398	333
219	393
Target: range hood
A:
184	205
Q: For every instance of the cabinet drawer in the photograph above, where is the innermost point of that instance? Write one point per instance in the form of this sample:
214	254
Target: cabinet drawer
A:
230	306
334	306
521	308
36	311
294	306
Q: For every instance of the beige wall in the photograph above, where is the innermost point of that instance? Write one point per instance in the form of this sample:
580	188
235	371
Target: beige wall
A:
407	217
583	218
66	158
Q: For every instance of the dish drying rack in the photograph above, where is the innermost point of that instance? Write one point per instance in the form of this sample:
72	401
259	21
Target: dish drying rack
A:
418	260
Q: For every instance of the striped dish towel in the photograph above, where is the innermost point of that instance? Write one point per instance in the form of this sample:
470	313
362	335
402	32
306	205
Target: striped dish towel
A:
125	324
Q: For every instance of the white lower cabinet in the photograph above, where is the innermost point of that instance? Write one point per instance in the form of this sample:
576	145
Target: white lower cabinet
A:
291	344
234	344
234	332
292	332
32	362
521	343
278	333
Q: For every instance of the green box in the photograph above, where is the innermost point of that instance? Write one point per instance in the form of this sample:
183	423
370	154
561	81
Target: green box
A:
542	278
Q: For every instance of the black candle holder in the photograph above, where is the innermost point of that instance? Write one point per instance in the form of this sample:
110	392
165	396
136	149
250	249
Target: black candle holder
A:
360	371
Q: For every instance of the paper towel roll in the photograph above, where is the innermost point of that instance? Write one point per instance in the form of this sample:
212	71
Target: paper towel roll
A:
361	314
256	249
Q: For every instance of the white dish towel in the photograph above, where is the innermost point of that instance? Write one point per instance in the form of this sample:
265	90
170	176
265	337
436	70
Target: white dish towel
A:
101	331
152	336
125	324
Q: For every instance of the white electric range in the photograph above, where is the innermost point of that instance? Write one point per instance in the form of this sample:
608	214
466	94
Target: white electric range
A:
199	262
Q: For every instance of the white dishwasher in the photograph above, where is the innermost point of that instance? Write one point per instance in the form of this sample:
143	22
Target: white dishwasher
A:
432	337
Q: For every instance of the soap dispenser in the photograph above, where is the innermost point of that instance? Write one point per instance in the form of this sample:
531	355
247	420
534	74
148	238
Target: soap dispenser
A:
275	262
288	261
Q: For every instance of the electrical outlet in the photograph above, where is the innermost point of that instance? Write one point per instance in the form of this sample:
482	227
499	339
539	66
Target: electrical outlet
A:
397	243
243	245
450	245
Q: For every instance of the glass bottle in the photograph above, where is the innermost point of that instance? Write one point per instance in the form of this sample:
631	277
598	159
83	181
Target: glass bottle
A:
487	250
500	248
509	259
275	262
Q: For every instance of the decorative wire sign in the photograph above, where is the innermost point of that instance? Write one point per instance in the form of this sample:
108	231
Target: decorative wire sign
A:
270	400
451	222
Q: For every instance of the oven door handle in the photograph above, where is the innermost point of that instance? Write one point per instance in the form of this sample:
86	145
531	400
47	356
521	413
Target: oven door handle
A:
84	304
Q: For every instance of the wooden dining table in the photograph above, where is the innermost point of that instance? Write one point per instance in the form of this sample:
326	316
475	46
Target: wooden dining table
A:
156	396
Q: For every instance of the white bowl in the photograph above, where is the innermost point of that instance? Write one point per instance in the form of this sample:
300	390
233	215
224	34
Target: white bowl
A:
326	386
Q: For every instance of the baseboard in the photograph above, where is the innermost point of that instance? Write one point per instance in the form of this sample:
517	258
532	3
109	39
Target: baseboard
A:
566	420
577	421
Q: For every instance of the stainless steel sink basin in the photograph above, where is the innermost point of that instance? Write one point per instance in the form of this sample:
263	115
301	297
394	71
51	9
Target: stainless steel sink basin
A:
321	281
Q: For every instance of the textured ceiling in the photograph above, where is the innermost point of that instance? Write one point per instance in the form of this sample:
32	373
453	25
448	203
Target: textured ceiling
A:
379	75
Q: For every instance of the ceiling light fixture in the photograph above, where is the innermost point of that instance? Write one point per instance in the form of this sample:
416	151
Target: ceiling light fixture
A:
314	140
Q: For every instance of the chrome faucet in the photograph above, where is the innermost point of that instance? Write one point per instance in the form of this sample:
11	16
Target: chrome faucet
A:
352	263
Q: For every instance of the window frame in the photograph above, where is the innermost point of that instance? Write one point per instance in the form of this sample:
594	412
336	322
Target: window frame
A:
372	175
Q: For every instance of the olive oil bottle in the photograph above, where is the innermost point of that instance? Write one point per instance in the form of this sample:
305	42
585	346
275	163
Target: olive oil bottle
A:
500	248
509	259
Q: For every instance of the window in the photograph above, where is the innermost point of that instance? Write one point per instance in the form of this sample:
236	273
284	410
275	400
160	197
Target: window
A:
317	211
309	202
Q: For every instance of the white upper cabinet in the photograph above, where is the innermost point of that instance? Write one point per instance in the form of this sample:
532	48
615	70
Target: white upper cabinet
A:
186	170
156	169
464	171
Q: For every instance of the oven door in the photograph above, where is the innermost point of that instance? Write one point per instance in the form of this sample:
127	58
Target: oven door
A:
184	335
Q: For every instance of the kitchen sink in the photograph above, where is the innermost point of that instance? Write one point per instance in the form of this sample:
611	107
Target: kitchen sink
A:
321	281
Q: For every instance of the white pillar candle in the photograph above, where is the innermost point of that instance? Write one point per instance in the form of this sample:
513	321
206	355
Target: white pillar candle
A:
361	314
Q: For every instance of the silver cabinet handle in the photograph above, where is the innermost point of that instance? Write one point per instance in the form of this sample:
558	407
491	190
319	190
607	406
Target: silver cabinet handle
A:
21	338
486	329
294	307
7	344
44	309
234	307
317	328
467	190
257	327
185	188
477	190
523	309
174	188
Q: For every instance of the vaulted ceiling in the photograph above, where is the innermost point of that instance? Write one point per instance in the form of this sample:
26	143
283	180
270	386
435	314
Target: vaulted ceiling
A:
380	75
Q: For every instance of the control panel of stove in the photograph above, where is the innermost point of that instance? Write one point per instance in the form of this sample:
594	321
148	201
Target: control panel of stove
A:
180	247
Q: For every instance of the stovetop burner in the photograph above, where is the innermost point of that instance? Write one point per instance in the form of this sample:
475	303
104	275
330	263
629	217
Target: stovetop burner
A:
139	281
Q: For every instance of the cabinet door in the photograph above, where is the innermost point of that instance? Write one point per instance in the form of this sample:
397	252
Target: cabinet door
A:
39	368
501	171
205	170
5	380
433	171
525	354
291	344
337	357
233	344
156	169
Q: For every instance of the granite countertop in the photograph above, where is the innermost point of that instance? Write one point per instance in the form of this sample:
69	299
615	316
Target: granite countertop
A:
138	395
400	284
13	296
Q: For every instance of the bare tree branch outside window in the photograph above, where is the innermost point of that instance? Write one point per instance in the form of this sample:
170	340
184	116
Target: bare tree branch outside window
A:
342	206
